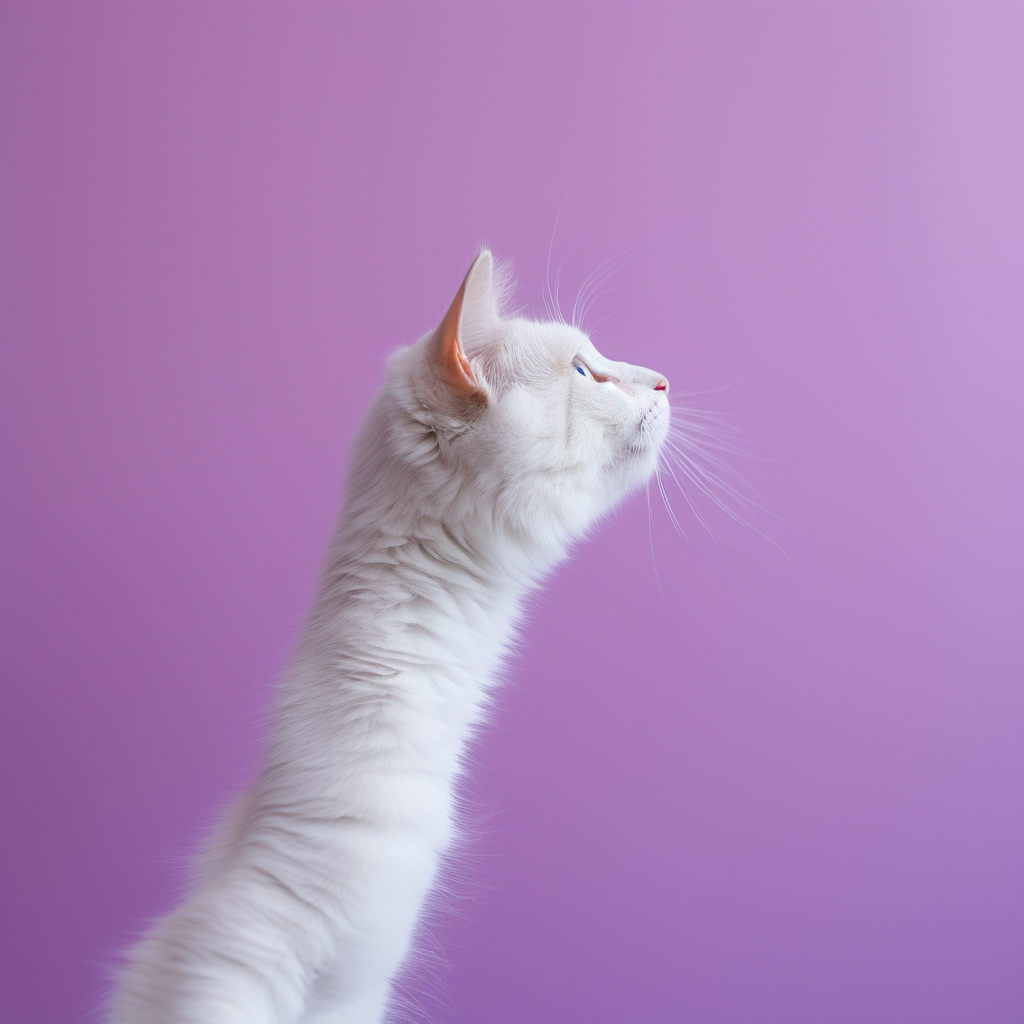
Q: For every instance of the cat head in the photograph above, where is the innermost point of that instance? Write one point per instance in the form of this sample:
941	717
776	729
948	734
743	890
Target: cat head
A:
523	421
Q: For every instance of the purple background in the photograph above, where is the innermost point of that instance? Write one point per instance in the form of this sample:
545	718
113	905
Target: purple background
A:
757	793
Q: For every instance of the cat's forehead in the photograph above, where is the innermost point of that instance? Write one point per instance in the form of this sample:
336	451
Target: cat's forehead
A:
553	346
544	343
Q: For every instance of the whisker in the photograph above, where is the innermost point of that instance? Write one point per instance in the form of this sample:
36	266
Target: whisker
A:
587	294
703	488
706	451
707	475
600	323
703	479
689	501
668	505
550	303
650	534
558	282
696	455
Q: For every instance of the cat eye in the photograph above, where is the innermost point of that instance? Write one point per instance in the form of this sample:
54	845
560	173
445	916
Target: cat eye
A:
586	371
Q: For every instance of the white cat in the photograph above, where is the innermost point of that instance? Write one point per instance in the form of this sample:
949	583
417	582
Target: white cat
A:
493	445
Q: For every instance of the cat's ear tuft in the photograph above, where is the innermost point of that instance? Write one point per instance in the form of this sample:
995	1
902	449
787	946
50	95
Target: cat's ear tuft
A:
474	304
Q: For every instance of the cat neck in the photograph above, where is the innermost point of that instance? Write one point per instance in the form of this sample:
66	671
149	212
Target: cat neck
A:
389	558
417	620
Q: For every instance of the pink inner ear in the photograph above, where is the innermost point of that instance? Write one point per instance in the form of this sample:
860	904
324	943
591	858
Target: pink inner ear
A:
447	356
463	360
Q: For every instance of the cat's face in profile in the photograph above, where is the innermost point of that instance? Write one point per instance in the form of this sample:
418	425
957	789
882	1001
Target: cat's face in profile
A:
523	419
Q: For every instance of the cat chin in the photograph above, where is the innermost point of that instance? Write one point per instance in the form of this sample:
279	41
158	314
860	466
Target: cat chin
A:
633	474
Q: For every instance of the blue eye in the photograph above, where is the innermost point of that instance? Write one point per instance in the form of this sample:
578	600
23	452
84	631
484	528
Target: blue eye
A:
579	369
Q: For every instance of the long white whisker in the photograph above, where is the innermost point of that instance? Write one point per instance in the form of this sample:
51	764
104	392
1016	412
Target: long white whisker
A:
549	298
585	298
706	451
668	505
587	292
650	534
594	281
558	282
600	323
583	288
713	478
703	479
702	487
689	501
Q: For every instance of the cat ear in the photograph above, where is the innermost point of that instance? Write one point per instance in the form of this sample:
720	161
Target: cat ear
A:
474	305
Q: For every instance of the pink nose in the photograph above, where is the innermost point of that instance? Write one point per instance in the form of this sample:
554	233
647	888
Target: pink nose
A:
662	385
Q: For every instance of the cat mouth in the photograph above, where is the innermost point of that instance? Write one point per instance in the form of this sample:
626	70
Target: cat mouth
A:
654	412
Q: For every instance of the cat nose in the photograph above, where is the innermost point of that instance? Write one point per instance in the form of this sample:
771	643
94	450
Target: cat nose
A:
662	385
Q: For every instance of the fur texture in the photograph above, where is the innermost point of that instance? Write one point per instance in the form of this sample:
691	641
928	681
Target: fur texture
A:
470	479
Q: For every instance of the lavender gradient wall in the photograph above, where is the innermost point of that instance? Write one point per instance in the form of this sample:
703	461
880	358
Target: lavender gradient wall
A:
765	790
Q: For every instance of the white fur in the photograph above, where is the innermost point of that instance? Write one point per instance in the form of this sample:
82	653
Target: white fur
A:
304	907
